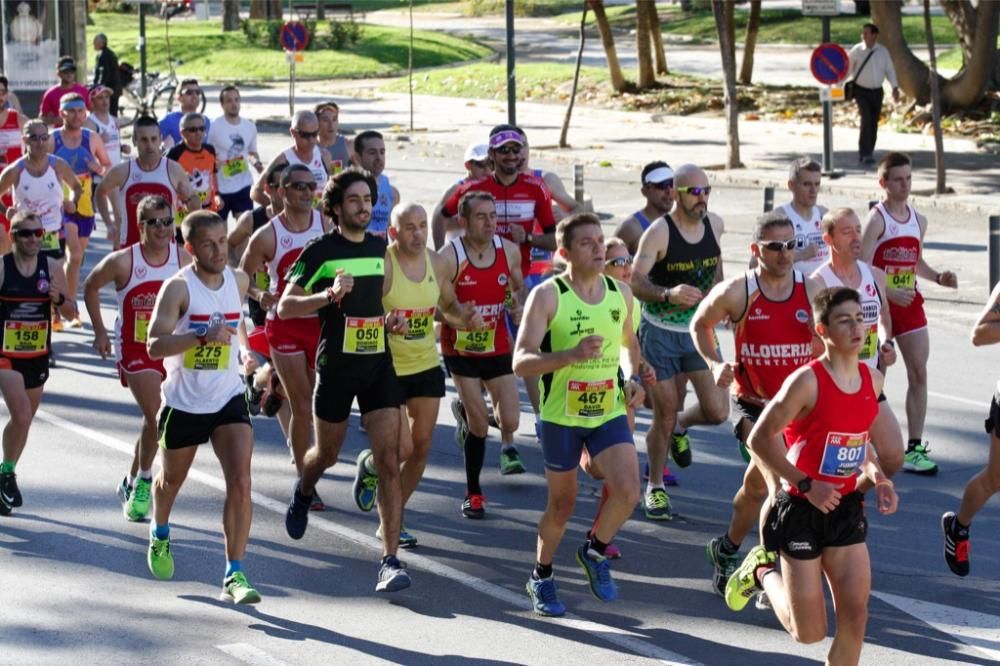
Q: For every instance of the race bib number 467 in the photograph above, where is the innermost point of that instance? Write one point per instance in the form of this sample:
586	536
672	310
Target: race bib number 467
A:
843	453
590	399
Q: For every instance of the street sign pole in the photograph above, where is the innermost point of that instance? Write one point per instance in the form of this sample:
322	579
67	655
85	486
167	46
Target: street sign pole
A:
291	84
511	90
827	118
142	50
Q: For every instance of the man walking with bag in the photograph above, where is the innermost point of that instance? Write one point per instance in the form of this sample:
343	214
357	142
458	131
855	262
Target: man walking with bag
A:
871	65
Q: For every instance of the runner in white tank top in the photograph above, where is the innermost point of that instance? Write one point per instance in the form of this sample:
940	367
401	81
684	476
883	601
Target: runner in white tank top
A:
110	135
138	184
315	165
42	195
804	176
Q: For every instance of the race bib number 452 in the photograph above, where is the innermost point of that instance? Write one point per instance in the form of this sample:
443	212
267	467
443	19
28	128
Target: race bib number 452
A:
843	453
479	341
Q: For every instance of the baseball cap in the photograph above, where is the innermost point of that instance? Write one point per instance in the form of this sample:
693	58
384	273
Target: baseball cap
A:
66	64
506	136
100	90
477	152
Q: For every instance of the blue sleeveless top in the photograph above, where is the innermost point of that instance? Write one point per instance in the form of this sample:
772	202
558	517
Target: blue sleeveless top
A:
77	157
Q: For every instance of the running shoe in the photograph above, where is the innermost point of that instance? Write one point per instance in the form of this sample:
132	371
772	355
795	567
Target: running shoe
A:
159	558
743	584
57	325
238	590
271	400
461	423
681	449
365	483
725	564
611	551
598	570
744	451
317	503
956	545
762	603
657	505
510	461
669	478
254	396
491	420
123	490
916	461
392	576
5	507
9	490
544	596
406	540
297	516
474	506
137	507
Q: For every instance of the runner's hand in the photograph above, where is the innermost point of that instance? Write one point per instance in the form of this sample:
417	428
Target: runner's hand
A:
823	496
267	300
648	373
517	233
472	319
69	207
396	324
901	296
887	499
636	394
102	344
724	374
342	285
948	279
219	333
589	347
888	353
685	295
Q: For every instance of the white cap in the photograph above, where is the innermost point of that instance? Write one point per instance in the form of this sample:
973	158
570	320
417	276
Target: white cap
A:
659	175
477	152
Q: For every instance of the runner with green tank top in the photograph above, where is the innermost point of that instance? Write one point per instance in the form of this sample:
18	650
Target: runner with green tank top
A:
678	262
571	337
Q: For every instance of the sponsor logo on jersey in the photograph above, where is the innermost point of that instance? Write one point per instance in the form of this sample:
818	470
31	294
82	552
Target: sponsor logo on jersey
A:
42	286
801	316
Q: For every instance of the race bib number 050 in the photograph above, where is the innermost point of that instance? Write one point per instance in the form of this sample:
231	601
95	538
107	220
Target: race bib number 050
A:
364	335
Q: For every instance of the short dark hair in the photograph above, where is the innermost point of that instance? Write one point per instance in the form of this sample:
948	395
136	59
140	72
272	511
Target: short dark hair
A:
471	197
322	105
3	80
333	193
359	140
804	163
652	166
871	27
146	121
198	220
891	161
151	202
286	176
826	300
188	82
831	218
769	220
567	226
272	174
228	88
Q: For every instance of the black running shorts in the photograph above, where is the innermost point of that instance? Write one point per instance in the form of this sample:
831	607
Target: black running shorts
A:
424	384
377	388
993	422
480	367
177	429
801	531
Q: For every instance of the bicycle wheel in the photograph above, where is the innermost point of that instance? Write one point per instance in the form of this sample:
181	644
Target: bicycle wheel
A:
164	101
129	108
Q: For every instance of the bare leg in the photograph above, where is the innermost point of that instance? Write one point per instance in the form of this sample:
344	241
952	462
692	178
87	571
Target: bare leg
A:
915	349
145	388
297	384
982	486
383	433
233	444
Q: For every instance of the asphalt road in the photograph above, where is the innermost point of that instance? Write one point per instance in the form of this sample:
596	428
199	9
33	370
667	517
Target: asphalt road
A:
74	582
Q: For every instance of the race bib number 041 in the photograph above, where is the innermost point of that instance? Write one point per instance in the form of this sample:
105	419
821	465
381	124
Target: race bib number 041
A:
901	277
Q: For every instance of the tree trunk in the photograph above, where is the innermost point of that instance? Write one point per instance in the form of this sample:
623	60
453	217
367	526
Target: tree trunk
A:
653	17
962	15
644	54
265	9
750	43
230	15
940	186
726	49
729	11
968	86
608	41
576	80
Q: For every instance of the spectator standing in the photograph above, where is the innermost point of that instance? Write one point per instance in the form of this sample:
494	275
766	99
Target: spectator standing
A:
871	65
66	71
106	70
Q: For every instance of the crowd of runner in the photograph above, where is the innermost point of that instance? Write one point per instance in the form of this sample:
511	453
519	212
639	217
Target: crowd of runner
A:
302	288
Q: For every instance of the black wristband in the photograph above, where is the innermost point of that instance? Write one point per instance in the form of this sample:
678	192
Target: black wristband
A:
62	299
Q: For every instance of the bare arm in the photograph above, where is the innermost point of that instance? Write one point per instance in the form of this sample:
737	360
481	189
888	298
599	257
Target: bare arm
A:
171	303
652	248
440	222
239	235
943	278
101	153
260	250
725	300
458	315
182	184
60	290
295	302
257	192
630	231
529	360
110	269
559	193
873	229
987	328
109	187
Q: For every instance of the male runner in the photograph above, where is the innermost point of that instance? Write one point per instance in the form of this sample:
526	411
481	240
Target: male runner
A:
193	329
574	328
657	188
30	284
339	277
679	260
769	307
84	151
416	285
189	101
330	139
811	252
893	241
149	172
293	341
137	272
477	164
986	483
304	151
198	160
824	409
105	125
235	142
485	271
369	153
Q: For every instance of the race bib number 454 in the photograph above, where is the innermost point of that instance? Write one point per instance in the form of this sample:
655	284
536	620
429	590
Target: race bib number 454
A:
843	453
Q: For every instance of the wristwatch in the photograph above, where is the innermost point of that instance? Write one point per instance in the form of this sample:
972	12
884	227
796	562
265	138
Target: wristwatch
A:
528	238
805	485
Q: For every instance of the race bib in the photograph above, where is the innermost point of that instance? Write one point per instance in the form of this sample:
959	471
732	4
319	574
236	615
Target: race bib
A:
590	400
234	167
364	335
479	341
870	345
843	453
262	280
25	337
900	277
140	326
419	323
211	357
50	241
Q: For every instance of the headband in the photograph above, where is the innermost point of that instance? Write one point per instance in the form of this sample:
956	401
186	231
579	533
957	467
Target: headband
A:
72	104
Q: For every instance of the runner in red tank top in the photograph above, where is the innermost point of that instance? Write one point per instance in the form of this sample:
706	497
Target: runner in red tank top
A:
818	522
769	306
137	272
11	122
893	241
486	272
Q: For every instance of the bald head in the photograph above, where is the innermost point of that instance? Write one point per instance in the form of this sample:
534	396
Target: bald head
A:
304	119
689	175
406	211
409	228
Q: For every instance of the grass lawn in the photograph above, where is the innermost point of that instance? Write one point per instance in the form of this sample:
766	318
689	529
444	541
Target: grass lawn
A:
535	81
211	54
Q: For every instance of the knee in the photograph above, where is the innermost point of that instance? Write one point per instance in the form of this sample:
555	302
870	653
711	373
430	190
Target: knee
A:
755	491
421	449
386	460
892	461
239	485
170	481
625	493
323	455
510	421
716	414
916	373
477	419
852	619
560	509
20	417
809	634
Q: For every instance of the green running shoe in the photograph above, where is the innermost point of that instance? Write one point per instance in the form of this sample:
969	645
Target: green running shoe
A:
137	506
657	505
743	585
725	564
365	483
406	540
916	461
510	461
159	559
238	590
681	449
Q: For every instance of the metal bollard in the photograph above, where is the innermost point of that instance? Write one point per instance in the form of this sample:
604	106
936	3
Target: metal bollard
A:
994	254
768	199
578	183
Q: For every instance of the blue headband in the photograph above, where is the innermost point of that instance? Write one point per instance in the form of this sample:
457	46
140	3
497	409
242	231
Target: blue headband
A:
72	104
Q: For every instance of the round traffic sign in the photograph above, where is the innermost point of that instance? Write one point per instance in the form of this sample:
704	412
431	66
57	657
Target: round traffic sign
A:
829	63
294	36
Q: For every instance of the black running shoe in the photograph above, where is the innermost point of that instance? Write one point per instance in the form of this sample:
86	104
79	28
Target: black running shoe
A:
8	489
297	516
956	545
271	401
254	396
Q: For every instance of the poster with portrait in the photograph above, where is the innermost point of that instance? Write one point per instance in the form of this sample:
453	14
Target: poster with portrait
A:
30	43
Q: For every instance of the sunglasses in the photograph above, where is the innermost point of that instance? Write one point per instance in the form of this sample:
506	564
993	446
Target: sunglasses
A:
696	191
509	150
302	186
200	128
38	137
665	185
29	233
307	135
159	222
619	262
778	246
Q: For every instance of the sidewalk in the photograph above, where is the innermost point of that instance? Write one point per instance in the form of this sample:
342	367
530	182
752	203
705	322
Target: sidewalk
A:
627	140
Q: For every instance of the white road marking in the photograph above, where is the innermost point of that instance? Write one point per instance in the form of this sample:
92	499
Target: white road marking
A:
627	640
978	630
248	654
982	404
